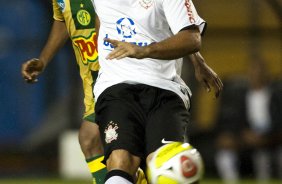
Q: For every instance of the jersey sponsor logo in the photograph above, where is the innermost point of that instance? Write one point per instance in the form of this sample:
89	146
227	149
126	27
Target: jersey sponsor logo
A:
126	29
188	6
146	3
87	47
83	17
110	47
111	132
62	5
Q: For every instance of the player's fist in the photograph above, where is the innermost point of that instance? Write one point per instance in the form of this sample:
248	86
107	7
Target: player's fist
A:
31	69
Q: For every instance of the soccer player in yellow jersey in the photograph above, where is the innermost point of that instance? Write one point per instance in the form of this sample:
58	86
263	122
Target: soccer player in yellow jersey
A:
76	20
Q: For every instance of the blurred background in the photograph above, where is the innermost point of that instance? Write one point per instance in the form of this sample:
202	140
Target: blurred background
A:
238	135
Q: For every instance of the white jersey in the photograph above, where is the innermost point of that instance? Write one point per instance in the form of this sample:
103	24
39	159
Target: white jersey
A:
142	22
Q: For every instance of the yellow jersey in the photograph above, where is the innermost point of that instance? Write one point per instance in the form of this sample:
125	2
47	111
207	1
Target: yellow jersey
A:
79	17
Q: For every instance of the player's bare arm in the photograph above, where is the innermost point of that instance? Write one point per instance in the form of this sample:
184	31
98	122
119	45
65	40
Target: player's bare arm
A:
34	67
185	42
205	75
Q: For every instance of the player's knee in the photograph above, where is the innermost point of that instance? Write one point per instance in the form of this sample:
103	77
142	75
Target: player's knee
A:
123	160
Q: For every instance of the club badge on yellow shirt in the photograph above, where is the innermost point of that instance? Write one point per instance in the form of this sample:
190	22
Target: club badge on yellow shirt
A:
83	14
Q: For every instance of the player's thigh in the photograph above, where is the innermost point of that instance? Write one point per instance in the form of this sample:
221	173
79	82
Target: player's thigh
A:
120	122
167	123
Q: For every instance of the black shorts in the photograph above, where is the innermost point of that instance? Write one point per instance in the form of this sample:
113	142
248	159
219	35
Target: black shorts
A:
138	117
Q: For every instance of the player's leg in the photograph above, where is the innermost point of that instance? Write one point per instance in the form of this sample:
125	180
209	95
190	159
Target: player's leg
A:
91	146
123	135
167	122
115	163
122	167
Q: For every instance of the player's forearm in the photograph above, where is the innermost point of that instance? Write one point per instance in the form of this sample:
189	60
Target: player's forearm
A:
196	59
57	38
182	44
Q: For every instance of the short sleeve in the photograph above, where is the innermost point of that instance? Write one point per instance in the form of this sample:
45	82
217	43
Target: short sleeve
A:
181	14
57	13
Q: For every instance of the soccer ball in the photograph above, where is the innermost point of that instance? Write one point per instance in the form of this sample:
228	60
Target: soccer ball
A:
175	163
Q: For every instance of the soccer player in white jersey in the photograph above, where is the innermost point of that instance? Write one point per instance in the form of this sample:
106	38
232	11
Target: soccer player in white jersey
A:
141	98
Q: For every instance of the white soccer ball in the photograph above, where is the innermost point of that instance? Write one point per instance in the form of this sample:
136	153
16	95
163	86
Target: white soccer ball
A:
175	163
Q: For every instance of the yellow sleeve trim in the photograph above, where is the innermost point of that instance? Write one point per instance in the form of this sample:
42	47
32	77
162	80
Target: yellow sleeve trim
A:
57	14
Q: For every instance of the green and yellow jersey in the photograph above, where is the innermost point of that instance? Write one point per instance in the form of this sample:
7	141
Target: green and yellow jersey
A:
79	17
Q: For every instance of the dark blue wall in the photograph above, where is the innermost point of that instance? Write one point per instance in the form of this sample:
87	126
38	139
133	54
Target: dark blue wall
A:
24	28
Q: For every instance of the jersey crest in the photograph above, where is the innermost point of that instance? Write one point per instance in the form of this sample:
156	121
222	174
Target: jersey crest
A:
111	132
87	47
83	14
146	3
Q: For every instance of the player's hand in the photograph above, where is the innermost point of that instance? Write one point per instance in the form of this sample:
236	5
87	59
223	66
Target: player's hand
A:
205	75
125	49
31	69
